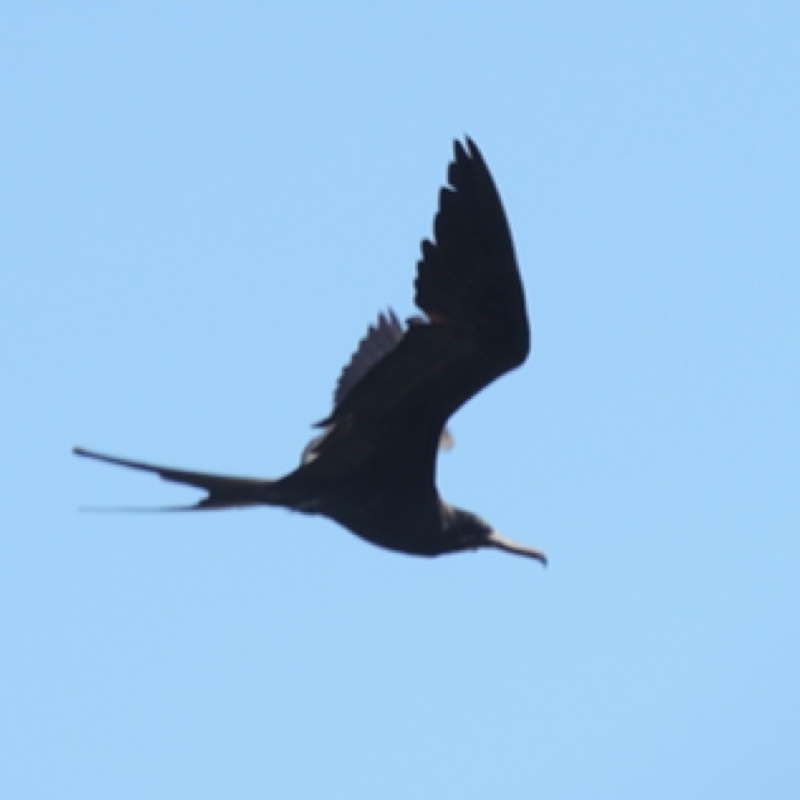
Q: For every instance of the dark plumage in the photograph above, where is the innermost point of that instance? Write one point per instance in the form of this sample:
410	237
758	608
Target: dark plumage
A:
372	468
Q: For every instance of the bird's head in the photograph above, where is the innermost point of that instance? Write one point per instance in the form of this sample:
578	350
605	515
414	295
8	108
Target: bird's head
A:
467	531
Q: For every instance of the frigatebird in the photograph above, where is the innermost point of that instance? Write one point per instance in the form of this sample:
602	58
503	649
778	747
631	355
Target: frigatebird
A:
372	468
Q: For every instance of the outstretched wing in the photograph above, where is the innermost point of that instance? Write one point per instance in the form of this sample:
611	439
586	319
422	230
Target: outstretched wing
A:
476	329
468	276
380	339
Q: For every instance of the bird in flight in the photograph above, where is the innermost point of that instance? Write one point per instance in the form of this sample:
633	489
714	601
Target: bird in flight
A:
372	468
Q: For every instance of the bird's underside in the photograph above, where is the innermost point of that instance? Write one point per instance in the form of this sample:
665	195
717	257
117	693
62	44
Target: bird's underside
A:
372	467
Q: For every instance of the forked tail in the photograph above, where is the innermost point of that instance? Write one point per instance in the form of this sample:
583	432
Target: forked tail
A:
223	491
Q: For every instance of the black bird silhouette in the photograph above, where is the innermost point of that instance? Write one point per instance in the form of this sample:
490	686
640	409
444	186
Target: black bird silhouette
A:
372	469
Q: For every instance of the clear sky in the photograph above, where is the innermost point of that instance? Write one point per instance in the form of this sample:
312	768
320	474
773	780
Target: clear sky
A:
202	206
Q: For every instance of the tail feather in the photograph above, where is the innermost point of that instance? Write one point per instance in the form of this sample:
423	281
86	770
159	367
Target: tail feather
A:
223	491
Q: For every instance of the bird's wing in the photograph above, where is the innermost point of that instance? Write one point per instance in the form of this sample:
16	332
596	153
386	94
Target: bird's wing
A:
476	325
380	339
468	276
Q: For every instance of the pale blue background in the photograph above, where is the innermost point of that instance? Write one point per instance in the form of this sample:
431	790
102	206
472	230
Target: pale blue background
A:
202	205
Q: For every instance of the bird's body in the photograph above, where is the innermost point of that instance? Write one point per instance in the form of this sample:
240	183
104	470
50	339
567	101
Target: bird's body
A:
372	468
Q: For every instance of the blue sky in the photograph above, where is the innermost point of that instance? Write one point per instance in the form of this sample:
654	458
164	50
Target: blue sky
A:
202	206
